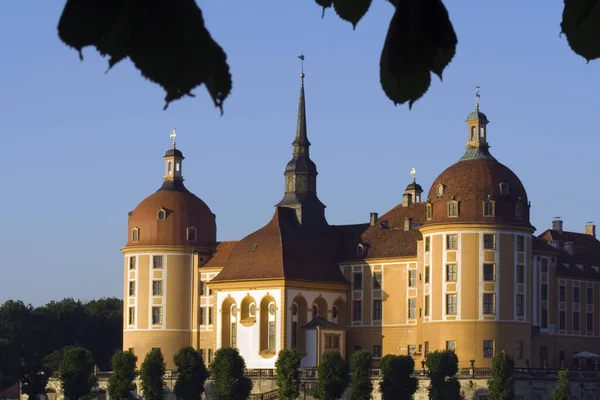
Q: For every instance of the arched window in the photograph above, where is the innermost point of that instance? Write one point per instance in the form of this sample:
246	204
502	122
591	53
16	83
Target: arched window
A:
315	311
473	133
191	234
228	323
429	209
170	168
299	319
482	131
233	333
177	166
504	188
248	311
268	325
135	235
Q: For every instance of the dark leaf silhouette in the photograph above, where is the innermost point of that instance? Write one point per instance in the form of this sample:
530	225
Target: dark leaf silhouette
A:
351	10
420	40
325	4
165	39
581	26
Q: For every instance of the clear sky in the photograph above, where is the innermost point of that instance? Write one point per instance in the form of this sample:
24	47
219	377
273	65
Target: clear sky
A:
81	149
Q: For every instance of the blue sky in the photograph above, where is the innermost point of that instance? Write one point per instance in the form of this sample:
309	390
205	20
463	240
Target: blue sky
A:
81	149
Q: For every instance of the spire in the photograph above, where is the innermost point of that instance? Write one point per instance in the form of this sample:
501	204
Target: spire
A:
173	179
301	172
477	145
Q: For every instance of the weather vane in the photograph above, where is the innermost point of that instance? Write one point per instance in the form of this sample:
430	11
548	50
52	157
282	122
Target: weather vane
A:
477	97
301	57
173	136
413	172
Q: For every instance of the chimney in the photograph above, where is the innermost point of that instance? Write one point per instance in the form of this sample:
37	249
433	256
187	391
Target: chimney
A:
406	199
555	244
590	229
557	225
569	247
373	219
407	224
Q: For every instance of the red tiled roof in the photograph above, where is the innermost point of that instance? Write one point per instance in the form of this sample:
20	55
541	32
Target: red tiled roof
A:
586	253
221	255
283	249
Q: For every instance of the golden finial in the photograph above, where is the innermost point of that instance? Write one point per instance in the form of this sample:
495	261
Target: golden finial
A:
301	57
477	97
413	172
173	136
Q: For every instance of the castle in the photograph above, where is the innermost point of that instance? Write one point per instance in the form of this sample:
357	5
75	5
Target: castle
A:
458	268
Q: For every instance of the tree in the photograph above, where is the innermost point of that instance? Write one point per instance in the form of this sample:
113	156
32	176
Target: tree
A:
76	373
562	391
501	386
10	363
361	386
397	382
334	376
191	374
443	384
152	375
420	41
287	369
120	383
227	371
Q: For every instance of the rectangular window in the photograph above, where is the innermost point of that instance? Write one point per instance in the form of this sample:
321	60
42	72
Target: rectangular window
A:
412	278
132	262
488	303
157	288
412	349
519	352
131	317
544	293
520	243
489	272
544	265
427	305
357	282
377	310
589	322
271	338
520	273
429	211
590	295
562	293
157	261
132	288
520	305
202	315
488	348
294	335
427	269
452	242
489	241
233	335
427	243
576	295
451	303
377	351
156	315
562	324
488	209
357	311
451	272
544	318
412	308
452	209
451	345
376	280
210	315
576	320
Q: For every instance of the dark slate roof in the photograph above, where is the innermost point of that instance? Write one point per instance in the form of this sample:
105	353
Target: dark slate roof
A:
586	254
322	323
175	185
174	153
284	249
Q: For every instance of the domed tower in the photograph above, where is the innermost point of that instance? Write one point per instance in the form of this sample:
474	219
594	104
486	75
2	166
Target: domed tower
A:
164	232
477	256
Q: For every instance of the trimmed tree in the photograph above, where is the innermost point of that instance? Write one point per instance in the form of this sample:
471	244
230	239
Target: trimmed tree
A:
443	366
227	371
397	382
287	368
501	386
562	391
191	374
334	376
76	373
152	375
120	383
361	386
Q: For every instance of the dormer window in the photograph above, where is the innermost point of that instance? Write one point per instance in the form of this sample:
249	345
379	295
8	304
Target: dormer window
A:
504	190
488	208
440	189
360	249
162	214
135	235
191	234
453	209
429	211
519	210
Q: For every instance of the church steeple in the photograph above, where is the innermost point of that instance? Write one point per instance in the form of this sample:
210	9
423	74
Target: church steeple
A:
301	172
173	179
477	145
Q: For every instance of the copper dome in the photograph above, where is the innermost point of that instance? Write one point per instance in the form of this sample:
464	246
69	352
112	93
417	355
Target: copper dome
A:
182	210
471	182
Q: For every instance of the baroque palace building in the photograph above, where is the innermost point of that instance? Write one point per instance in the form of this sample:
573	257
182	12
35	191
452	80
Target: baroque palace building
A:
457	268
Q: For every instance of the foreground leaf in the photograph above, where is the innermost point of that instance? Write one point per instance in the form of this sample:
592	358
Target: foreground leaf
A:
325	4
165	39
581	26
351	10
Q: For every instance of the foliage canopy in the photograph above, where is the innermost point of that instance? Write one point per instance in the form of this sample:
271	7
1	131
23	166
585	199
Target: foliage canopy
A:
76	373
152	375
191	374
227	372
361	386
120	383
501	386
397	382
334	376
287	369
561	391
443	366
